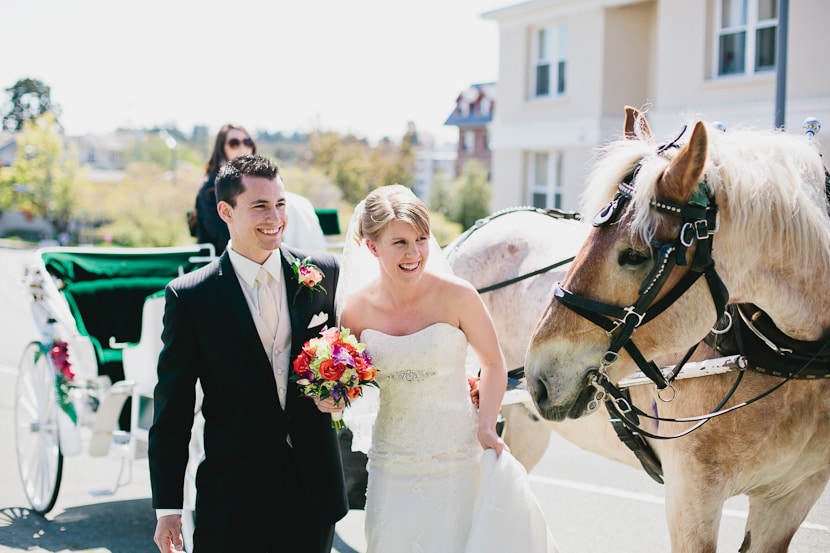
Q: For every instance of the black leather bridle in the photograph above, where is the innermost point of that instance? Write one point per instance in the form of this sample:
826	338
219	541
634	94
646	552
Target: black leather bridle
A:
699	217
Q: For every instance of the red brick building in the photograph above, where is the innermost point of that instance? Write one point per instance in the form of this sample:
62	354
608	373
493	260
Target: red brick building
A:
472	115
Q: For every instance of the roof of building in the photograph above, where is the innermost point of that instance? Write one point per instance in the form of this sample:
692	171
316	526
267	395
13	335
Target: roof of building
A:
474	106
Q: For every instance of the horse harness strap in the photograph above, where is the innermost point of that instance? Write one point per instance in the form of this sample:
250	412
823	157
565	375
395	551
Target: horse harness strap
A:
700	223
517	374
633	440
768	350
519	278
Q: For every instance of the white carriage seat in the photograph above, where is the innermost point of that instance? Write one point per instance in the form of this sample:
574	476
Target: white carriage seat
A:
140	360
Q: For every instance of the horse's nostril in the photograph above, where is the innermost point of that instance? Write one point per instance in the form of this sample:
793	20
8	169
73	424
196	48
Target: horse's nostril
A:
539	391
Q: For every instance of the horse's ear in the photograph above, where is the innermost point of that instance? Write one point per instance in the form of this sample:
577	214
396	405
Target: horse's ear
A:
681	177
636	127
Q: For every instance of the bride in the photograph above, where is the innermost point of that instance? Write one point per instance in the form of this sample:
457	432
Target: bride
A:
430	487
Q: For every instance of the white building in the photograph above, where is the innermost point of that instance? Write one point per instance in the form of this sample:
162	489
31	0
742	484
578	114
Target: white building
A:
567	68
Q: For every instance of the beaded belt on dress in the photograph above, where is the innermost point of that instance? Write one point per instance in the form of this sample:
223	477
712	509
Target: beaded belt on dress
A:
409	375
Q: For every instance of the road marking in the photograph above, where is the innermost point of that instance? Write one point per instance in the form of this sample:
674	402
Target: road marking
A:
642	497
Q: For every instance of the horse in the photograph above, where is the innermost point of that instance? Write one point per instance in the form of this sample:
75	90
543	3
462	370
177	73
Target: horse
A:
711	231
513	257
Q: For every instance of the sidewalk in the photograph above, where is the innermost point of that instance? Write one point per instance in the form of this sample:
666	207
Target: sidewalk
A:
349	537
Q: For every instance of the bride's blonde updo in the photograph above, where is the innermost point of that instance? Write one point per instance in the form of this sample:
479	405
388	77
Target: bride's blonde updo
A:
390	203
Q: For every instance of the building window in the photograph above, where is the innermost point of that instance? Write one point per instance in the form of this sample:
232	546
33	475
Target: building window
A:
469	141
550	60
746	36
545	190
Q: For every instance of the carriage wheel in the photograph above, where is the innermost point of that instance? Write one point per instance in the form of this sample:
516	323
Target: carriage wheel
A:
39	457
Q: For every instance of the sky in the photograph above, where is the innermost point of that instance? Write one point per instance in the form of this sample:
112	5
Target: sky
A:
362	66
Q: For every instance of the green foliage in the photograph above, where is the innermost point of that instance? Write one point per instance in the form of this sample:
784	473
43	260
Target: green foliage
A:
440	194
357	168
313	184
465	199
42	180
146	209
470	195
152	148
28	100
444	230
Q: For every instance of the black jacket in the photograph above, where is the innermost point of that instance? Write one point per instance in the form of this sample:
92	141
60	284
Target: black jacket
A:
210	336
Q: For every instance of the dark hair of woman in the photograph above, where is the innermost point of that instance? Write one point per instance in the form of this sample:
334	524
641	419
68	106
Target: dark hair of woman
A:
218	158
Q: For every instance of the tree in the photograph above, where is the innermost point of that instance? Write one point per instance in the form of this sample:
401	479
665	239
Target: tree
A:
43	179
145	209
346	161
470	195
28	100
440	194
357	168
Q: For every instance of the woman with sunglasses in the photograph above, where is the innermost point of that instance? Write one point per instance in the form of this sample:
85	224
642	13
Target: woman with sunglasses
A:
232	141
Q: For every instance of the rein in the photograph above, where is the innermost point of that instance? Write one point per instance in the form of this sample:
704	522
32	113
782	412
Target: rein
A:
514	376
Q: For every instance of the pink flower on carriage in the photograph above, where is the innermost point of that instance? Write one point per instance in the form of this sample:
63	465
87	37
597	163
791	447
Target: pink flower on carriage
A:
59	354
60	358
334	365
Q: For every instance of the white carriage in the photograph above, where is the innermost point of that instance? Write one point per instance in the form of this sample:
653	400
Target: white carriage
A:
87	383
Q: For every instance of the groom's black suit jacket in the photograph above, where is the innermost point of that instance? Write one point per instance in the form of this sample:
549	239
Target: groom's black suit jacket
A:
209	335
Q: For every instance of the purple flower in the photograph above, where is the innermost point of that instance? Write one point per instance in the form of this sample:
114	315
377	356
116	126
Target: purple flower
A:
341	355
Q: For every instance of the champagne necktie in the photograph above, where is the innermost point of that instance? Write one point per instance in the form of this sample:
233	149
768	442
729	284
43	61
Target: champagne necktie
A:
266	302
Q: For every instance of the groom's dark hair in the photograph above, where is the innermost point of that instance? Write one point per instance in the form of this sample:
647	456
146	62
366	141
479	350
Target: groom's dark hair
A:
229	179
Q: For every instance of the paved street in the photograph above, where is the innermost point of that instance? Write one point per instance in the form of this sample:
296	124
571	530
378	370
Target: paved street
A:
591	504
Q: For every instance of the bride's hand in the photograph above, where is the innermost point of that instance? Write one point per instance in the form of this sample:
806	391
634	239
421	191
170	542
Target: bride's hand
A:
489	439
328	405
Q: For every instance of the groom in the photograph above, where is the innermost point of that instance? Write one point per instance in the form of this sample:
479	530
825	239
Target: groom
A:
272	478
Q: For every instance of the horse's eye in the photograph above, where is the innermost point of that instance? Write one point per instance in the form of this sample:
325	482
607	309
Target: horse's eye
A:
632	257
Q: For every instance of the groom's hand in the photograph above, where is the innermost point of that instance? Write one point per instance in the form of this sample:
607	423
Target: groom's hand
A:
472	382
168	536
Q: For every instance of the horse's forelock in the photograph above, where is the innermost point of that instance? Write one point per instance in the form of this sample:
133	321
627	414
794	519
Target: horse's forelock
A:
610	165
613	163
764	179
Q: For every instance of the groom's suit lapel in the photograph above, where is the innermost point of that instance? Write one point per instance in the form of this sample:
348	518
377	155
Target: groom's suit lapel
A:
234	299
241	323
297	311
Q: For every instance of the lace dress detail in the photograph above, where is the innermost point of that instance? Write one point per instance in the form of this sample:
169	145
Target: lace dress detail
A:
423	462
430	489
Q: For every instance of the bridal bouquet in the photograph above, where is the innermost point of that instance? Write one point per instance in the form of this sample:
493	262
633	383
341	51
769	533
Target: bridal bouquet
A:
334	365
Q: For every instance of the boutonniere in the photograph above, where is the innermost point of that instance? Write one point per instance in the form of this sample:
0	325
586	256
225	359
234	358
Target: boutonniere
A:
308	275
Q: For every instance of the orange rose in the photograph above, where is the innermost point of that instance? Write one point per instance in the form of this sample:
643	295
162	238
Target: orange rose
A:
354	392
330	370
369	373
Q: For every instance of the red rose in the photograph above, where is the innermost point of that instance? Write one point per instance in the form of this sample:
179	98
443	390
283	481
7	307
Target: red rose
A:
301	364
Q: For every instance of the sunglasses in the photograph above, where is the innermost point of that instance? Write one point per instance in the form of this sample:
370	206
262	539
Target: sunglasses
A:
235	142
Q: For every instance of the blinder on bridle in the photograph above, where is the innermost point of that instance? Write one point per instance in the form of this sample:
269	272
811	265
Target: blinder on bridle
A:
700	223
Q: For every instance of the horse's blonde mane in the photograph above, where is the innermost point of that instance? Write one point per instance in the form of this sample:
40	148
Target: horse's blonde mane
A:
769	186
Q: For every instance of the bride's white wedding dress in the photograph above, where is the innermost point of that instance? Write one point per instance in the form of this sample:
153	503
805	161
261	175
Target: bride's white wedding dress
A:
430	490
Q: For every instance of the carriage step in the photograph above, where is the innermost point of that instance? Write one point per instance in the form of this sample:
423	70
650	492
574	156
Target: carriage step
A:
106	418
